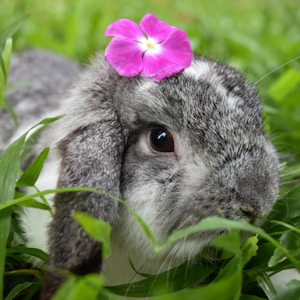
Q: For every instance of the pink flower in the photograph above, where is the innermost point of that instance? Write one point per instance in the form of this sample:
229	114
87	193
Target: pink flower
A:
154	49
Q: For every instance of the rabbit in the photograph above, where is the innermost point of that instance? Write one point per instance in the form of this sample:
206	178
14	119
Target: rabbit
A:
177	151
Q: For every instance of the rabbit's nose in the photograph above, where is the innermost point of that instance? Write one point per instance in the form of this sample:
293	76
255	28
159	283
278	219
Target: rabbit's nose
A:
247	208
250	212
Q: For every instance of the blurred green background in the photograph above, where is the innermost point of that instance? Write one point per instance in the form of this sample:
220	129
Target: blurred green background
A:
255	35
259	37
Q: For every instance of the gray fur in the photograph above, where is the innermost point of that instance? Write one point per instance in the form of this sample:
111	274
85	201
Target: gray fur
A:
223	163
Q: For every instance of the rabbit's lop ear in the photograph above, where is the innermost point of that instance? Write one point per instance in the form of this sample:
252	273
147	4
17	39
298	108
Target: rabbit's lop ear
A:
91	150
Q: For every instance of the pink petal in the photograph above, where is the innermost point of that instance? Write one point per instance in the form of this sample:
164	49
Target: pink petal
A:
125	28
157	67
155	28
176	55
178	49
124	56
167	72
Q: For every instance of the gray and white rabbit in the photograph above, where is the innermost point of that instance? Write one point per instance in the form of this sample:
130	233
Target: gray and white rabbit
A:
177	151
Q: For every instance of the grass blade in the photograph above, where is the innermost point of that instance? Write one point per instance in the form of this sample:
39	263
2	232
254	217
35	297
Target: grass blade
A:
5	53
11	111
18	289
215	223
10	161
9	166
267	286
172	280
4	63
8	31
32	173
97	229
28	251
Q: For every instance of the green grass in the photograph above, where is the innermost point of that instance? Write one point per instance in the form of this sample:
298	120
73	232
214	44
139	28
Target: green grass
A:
261	38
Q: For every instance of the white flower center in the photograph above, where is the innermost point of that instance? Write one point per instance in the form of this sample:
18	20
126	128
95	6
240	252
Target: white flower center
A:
149	45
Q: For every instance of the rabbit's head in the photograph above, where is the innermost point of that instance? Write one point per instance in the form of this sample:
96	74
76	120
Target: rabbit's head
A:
189	147
196	148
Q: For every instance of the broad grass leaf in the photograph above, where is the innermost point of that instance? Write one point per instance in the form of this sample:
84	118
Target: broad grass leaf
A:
78	288
280	89
249	249
227	288
228	283
46	121
276	258
34	252
32	173
173	280
88	287
288	226
29	198
36	204
286	209
290	239
97	229
207	224
229	242
267	286
65	291
217	223
19	289
35	134
10	161
9	166
9	30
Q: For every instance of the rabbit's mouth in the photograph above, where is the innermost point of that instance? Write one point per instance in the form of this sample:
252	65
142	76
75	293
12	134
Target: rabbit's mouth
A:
223	202
241	213
199	243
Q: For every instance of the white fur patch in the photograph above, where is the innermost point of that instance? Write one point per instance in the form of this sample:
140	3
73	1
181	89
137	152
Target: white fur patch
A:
196	172
232	101
129	241
203	70
221	91
35	224
198	69
36	221
145	86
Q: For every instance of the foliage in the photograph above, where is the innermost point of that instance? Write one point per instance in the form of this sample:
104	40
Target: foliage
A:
262	39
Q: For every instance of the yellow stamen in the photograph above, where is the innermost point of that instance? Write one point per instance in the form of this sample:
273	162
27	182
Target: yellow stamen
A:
150	45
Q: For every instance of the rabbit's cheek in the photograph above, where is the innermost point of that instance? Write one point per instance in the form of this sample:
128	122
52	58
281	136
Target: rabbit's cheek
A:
150	203
242	189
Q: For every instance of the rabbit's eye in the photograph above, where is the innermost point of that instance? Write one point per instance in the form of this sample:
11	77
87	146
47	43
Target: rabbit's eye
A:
161	140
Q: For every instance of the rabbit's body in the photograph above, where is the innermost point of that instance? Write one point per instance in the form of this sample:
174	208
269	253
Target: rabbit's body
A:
178	151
